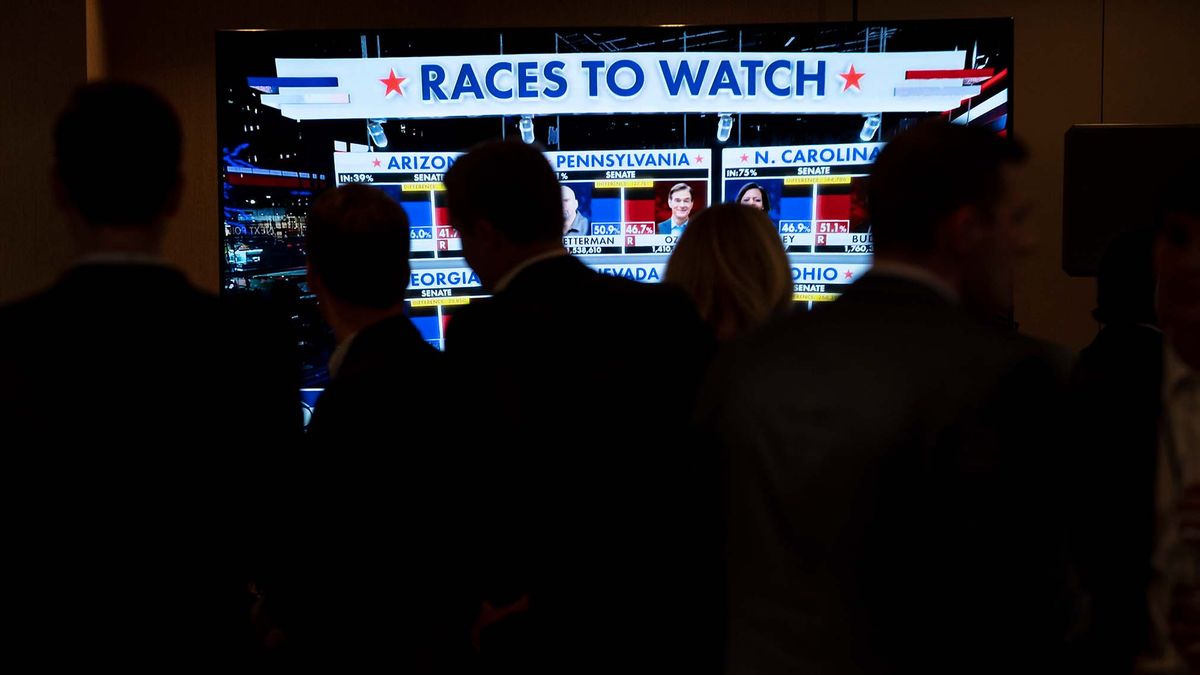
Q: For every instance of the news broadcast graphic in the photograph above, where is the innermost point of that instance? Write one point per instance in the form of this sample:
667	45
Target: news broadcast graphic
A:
627	198
816	197
440	278
414	179
638	123
614	203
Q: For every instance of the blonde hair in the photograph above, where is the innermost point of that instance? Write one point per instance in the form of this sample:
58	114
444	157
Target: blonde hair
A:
731	261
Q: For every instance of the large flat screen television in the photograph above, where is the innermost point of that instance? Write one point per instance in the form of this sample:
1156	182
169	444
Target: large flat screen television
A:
789	116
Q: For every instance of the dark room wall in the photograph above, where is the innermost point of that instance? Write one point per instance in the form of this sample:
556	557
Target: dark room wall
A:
41	59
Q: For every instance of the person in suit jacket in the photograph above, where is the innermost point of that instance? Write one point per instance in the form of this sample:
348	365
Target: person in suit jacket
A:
600	509
358	246
373	566
888	458
1116	404
141	417
1174	596
1133	401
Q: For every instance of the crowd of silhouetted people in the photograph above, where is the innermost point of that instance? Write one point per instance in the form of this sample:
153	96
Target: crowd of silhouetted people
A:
598	475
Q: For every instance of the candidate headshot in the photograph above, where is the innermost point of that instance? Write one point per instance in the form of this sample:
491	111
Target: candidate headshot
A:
860	218
679	200
575	224
754	196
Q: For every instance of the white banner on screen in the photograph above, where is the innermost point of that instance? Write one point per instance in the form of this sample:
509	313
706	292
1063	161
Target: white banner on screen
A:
631	82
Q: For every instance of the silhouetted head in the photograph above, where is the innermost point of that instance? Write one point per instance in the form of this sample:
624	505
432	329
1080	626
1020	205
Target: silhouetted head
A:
506	203
1125	284
731	261
117	150
358	247
942	196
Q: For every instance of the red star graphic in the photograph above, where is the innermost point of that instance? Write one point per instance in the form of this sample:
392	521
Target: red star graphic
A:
851	79
745	158
393	83
849	274
699	159
375	162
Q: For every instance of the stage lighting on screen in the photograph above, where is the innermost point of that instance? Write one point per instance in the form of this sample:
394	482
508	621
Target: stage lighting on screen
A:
375	131
724	127
870	127
526	127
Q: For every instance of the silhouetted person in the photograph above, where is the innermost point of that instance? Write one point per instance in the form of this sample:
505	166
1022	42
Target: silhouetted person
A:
883	453
732	263
578	388
358	247
1175	584
140	415
1117	401
1137	405
368	575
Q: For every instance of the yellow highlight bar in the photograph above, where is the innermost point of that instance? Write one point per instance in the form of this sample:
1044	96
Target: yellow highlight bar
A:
634	183
817	180
815	297
435	302
422	187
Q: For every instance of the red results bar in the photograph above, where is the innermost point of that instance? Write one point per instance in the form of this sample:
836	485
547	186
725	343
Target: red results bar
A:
833	226
260	180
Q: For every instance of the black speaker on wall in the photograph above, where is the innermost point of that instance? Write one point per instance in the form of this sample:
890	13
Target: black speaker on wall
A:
1114	176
